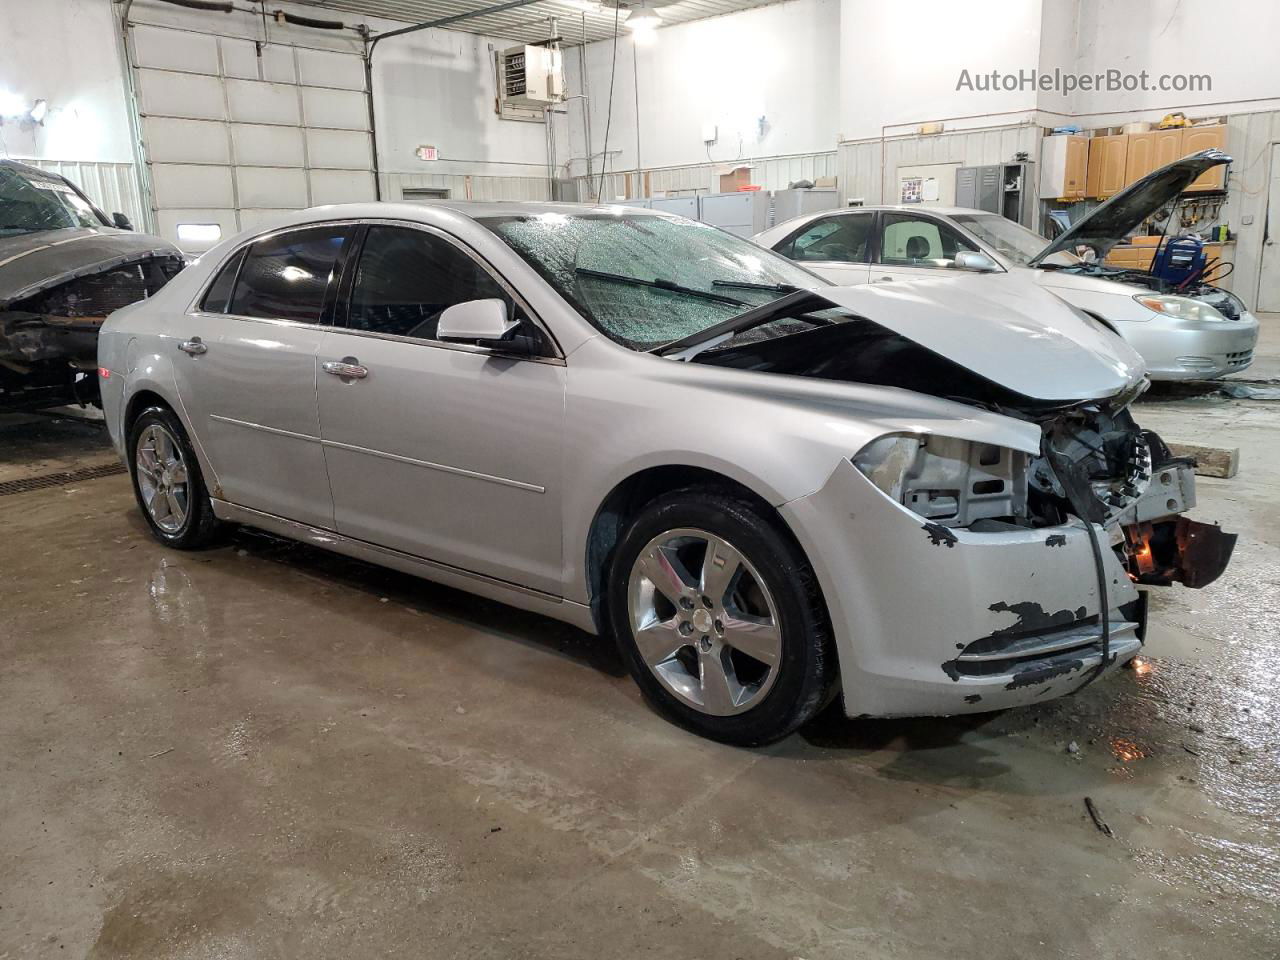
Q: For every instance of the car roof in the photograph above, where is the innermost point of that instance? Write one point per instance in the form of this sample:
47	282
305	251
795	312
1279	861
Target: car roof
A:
910	208
431	210
28	168
437	213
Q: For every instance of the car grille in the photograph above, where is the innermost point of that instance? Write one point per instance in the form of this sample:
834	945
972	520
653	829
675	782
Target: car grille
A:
1240	359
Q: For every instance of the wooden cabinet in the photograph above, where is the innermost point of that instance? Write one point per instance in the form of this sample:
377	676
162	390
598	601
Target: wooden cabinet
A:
1168	148
1107	156
1064	167
1140	156
1115	161
1138	253
1195	139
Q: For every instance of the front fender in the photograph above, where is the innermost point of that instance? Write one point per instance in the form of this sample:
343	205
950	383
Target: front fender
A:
778	436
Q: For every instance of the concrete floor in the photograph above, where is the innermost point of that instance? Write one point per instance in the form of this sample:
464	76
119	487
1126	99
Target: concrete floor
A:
265	751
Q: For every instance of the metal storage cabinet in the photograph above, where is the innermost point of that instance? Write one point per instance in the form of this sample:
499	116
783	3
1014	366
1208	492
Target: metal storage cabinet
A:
745	214
978	188
681	206
788	204
1003	188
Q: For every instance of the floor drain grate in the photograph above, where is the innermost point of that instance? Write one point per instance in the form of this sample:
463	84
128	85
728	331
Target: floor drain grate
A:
60	479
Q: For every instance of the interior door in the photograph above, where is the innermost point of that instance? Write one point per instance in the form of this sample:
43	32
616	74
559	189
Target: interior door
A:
1269	275
247	377
912	247
444	451
837	247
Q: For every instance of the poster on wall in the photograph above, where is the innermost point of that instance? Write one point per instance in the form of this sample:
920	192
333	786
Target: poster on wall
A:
918	190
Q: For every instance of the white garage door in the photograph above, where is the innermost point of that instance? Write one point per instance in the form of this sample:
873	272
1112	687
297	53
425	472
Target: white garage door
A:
236	132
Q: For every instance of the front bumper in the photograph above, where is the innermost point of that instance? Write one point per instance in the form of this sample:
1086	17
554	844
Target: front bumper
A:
931	621
1195	350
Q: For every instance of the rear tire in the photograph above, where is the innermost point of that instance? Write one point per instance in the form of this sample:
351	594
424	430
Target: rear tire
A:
718	616
167	481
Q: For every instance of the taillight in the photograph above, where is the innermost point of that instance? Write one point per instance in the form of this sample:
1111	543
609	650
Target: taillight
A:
104	373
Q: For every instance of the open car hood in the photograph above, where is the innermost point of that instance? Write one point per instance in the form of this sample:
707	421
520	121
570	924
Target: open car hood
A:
1111	222
1012	333
35	262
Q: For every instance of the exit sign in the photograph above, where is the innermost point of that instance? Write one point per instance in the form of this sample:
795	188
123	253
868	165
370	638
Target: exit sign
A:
427	153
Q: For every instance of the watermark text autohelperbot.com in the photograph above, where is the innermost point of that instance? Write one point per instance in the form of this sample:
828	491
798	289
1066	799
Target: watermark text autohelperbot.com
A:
1063	81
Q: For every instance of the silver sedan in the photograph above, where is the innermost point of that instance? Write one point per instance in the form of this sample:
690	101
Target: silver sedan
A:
770	490
1188	330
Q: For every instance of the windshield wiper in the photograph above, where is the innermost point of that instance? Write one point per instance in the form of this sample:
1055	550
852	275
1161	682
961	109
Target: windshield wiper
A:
784	308
660	284
745	285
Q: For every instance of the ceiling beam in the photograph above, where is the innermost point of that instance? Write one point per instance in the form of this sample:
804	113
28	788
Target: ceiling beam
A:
446	21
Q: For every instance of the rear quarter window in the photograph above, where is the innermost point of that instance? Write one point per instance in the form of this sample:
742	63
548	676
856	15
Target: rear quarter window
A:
286	276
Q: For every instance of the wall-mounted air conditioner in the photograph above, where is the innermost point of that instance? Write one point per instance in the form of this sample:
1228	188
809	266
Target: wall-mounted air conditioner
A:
531	76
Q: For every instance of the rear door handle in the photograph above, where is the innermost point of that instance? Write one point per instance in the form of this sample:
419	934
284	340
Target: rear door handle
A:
193	347
348	368
882	280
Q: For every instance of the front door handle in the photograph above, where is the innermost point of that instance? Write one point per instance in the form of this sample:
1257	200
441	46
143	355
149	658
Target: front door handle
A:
882	280
193	347
348	368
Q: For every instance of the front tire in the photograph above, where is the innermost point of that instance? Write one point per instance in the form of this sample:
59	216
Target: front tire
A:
719	618
167	481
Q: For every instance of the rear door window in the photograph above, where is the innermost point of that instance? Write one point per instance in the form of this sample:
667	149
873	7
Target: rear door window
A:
287	276
842	239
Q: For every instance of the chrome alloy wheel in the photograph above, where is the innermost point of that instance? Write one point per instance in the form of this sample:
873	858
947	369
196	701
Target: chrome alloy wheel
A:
162	478
704	621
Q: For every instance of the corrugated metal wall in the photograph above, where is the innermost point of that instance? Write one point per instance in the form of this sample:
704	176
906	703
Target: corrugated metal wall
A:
772	173
466	186
869	171
112	186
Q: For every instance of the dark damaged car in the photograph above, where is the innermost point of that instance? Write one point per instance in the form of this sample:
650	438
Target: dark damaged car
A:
63	268
925	497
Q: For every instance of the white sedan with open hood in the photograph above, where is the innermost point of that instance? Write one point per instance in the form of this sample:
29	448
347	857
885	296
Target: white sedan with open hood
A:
1190	331
771	491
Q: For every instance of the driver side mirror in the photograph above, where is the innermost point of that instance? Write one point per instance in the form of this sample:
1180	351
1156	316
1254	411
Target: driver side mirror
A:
975	262
486	323
120	221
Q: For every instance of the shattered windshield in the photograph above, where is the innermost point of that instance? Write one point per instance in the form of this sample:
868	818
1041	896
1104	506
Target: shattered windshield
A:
31	204
1011	240
646	279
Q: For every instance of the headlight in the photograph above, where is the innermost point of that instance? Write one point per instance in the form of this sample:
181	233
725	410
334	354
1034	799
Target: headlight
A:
951	481
1183	308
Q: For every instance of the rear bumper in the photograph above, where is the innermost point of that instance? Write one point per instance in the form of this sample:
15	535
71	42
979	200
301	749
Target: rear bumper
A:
932	621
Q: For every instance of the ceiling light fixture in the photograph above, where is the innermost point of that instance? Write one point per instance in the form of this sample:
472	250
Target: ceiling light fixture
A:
11	105
644	19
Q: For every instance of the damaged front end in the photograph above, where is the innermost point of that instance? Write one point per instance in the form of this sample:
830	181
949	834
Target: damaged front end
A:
1126	479
1095	464
49	336
968	575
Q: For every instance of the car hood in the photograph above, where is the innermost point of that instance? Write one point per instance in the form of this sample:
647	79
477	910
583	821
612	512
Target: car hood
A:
1112	222
1070	280
34	262
1012	333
